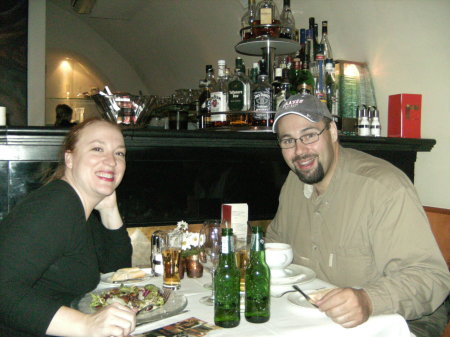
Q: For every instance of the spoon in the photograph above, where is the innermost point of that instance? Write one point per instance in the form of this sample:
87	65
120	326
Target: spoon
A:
309	299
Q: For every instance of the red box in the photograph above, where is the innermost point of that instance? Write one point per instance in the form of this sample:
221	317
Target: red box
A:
404	115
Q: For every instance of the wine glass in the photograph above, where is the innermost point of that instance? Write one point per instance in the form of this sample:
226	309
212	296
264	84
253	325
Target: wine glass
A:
211	232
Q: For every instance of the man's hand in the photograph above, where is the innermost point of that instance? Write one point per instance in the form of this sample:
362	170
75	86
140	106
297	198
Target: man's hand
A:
346	306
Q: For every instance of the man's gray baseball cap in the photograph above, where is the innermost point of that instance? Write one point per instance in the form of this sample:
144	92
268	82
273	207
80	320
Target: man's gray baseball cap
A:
304	105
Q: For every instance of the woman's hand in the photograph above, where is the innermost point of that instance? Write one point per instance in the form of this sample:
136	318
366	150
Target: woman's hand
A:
114	320
109	212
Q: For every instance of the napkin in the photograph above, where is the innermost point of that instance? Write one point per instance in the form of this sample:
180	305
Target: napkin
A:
141	248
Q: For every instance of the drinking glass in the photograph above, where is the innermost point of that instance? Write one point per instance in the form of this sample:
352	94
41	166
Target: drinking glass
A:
171	256
211	231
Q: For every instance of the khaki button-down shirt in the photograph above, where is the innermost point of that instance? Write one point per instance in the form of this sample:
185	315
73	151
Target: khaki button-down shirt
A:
368	230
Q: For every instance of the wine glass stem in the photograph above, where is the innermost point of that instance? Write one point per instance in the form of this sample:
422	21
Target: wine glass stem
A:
212	283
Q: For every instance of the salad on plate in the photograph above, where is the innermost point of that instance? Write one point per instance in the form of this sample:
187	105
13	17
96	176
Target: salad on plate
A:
134	297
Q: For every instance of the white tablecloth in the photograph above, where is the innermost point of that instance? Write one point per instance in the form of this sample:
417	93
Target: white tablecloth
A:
287	319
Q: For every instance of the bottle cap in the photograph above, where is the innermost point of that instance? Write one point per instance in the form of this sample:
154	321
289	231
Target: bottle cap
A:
221	62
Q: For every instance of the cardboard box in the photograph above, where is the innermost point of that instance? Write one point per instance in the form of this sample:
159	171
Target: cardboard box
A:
404	115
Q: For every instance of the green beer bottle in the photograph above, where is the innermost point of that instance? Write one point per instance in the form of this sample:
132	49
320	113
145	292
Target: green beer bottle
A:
257	281
226	285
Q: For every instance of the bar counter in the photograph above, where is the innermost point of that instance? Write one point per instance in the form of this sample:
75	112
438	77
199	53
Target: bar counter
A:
175	175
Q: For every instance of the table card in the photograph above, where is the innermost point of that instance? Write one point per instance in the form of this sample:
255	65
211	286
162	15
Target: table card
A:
237	217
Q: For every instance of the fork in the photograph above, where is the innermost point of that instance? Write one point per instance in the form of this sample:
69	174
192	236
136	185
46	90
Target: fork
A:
165	295
309	299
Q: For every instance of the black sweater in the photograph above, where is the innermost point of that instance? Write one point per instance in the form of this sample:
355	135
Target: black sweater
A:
49	255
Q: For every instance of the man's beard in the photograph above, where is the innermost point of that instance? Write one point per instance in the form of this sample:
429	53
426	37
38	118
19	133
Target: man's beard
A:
313	177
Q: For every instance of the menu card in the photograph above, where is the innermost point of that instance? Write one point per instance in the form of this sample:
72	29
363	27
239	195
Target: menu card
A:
190	327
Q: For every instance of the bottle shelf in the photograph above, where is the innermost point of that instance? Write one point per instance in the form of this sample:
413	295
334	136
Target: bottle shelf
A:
256	46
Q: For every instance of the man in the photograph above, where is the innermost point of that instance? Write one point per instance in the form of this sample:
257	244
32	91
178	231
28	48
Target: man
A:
357	221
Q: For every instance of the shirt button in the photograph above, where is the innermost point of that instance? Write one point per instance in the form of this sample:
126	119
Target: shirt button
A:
315	247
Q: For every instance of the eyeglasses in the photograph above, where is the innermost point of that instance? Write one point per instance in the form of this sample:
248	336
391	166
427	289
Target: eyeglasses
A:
309	138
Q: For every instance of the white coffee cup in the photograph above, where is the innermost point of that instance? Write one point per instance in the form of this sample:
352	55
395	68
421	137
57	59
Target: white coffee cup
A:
278	257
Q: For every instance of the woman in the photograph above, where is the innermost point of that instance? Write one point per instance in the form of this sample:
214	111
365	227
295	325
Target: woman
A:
52	245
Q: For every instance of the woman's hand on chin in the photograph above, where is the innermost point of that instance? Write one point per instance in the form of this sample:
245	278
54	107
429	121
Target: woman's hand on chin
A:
109	212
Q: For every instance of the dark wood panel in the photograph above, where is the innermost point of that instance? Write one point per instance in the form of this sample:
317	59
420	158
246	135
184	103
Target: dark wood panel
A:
185	174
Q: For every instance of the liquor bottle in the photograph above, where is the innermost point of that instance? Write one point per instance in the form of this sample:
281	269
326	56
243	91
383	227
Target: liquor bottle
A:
327	52
206	85
257	281
267	14
226	284
302	50
310	57
287	21
276	86
263	102
330	88
313	35
239	89
294	74
219	97
248	19
254	72
320	76
285	91
304	82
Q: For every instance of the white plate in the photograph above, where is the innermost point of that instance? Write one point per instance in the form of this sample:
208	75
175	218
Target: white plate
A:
106	278
294	274
176	303
301	301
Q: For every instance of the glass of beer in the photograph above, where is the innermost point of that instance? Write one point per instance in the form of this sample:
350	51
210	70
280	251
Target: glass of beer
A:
171	256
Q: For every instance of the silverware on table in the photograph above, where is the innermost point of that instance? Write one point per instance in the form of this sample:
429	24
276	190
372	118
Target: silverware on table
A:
309	299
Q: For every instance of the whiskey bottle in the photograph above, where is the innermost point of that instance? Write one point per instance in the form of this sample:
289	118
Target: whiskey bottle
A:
263	102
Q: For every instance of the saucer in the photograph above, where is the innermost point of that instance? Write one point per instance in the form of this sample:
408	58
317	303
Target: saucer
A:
294	274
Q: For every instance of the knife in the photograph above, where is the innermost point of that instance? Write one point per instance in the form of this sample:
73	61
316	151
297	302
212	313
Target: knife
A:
309	299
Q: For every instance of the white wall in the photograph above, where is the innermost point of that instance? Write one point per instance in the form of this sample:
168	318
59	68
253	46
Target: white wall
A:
36	62
66	33
405	43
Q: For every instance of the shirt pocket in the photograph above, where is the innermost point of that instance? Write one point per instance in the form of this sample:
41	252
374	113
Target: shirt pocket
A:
353	266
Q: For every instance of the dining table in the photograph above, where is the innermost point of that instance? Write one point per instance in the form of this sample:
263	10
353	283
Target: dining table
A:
288	315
